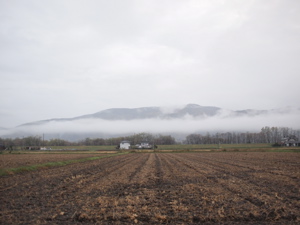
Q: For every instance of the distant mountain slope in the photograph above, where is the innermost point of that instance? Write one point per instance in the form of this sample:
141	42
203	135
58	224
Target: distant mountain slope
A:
125	114
140	113
191	110
152	112
195	111
160	120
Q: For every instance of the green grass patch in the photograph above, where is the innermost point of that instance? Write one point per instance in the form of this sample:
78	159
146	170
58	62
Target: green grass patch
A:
178	147
213	146
52	164
69	148
209	149
285	149
160	147
86	148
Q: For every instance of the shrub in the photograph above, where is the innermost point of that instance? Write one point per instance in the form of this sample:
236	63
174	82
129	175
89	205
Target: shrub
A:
276	144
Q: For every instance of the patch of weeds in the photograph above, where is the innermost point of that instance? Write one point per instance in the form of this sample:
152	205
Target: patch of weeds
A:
51	164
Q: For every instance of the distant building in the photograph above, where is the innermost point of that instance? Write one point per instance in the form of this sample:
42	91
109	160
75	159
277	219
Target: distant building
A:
143	145
290	141
125	145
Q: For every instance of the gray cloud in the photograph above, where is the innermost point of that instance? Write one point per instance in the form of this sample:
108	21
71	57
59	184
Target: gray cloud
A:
223	122
68	58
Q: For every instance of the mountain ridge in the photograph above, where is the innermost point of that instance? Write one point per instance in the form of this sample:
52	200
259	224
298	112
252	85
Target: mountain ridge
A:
159	120
154	112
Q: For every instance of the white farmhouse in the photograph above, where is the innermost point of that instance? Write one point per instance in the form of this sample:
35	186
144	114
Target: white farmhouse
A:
125	145
144	145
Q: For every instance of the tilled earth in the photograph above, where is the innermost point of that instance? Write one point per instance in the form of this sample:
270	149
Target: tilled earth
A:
17	160
158	188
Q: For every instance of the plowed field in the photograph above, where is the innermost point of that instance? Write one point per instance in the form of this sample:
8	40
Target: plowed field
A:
158	188
17	160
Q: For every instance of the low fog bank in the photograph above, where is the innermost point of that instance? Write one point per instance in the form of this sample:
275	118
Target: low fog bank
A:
103	128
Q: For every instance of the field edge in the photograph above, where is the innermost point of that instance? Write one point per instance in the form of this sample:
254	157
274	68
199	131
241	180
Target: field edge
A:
11	171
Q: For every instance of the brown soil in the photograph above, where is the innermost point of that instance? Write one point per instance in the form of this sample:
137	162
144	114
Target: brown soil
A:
162	188
17	160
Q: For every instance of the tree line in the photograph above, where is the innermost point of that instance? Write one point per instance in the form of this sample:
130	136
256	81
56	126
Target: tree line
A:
266	135
134	139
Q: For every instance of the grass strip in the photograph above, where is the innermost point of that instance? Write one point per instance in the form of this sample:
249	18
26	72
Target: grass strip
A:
21	169
232	150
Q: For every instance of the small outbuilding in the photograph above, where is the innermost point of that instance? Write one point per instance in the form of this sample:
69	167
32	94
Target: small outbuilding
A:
290	141
144	145
125	145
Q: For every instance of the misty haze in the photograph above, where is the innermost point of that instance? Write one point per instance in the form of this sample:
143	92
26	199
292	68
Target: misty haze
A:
62	59
179	121
149	112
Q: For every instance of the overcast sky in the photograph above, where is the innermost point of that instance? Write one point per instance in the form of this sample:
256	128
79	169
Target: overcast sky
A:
66	58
